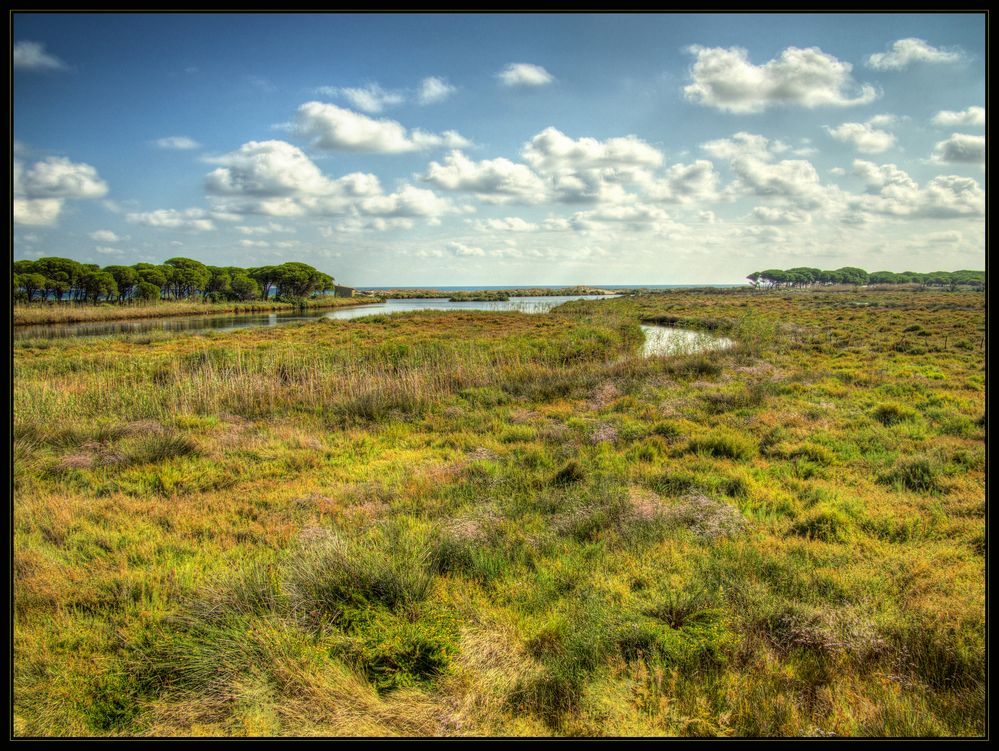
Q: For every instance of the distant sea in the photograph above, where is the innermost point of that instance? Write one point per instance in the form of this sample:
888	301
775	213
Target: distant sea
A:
444	288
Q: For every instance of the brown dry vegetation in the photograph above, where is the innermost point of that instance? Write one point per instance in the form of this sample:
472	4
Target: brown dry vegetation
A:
502	524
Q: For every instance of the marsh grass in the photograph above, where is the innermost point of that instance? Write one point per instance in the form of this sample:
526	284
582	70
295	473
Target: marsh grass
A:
501	524
54	313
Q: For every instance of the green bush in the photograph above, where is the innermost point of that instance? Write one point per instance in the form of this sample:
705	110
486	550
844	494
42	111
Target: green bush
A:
723	444
919	474
893	414
824	523
571	473
333	571
396	652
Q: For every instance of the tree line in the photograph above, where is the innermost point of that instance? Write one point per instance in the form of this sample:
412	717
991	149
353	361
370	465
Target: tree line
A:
175	279
805	276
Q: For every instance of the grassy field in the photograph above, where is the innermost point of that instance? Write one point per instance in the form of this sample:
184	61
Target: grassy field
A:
50	312
491	294
496	523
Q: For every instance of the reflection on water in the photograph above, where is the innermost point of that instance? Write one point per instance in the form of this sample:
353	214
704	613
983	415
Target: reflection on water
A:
659	340
235	321
665	340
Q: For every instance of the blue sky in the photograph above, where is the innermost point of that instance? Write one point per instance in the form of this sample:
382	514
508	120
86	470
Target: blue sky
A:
502	149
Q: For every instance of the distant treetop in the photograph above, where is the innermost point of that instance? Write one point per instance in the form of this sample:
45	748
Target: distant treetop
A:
804	276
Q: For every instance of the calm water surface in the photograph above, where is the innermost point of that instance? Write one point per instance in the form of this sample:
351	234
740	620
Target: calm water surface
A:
659	340
233	321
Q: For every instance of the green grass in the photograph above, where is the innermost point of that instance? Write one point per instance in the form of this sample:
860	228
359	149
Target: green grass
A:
474	523
68	312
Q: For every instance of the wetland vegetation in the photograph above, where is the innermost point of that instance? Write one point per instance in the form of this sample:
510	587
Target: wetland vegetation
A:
494	523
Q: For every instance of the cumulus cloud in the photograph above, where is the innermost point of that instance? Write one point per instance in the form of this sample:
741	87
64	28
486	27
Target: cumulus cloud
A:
196	220
634	217
266	169
105	236
864	137
506	224
971	117
904	52
36	211
378	224
793	179
264	229
410	201
177	143
31	56
891	191
753	161
960	149
434	90
587	170
333	128
275	178
553	151
743	145
491	180
524	74
725	78
460	249
561	169
780	215
372	98
685	183
41	190
58	177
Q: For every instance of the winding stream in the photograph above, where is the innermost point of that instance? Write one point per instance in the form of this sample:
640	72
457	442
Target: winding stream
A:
659	340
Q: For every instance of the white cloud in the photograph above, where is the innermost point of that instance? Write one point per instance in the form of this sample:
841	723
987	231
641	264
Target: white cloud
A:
491	180
266	169
58	177
460	249
685	183
972	117
106	236
407	202
553	151
196	220
524	74
32	56
177	143
41	191
434	90
724	78
372	98
905	52
333	128
378	224
635	217
275	178
960	149
892	192
107	250
506	224
264	229
587	170
744	144
36	211
864	137
793	179
780	215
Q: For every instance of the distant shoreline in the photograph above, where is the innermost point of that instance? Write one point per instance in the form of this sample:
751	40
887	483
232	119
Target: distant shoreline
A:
37	314
511	287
